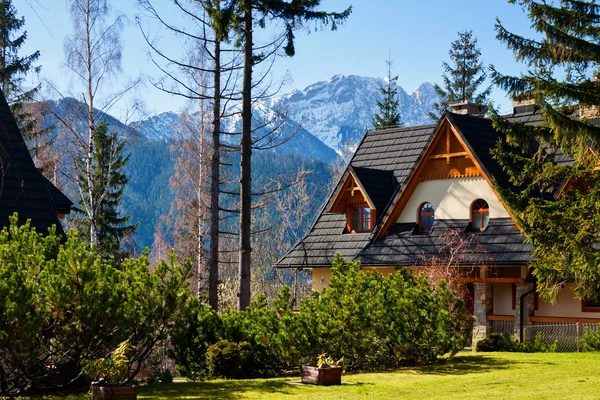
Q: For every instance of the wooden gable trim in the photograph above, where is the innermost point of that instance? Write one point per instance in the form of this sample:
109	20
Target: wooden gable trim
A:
445	128
351	183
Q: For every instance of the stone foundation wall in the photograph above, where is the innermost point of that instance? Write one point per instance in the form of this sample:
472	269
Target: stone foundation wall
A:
482	307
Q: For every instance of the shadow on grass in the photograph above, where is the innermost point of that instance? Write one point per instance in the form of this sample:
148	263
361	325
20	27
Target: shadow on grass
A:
219	389
462	365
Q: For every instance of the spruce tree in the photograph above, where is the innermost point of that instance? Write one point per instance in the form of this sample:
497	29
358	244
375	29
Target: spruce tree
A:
463	78
107	191
247	15
14	67
554	164
388	115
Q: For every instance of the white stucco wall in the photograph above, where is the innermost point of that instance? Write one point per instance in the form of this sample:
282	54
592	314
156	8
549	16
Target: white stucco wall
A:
566	306
321	276
502	299
452	198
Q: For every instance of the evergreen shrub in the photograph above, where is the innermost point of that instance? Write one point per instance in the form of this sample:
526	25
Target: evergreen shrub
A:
506	342
226	359
374	323
590	340
62	303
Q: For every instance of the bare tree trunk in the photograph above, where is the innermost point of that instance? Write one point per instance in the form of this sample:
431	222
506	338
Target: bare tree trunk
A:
213	296
245	250
91	125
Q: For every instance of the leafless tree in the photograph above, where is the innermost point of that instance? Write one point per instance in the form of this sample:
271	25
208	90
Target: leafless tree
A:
93	54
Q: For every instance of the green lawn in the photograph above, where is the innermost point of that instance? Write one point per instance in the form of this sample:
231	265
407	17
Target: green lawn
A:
467	376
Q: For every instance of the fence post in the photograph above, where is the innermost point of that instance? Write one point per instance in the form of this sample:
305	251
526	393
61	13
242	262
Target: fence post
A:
577	336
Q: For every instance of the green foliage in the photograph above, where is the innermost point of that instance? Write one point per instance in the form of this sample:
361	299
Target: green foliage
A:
372	322
325	361
62	304
563	71
376	322
13	67
388	115
590	340
114	369
498	342
193	332
227	359
462	79
506	342
101	194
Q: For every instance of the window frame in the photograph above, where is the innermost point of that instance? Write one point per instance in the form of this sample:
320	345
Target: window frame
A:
480	214
421	214
587	306
350	218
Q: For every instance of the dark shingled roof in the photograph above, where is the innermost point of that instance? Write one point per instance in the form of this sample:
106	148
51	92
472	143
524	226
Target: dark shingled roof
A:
378	184
503	245
23	188
397	151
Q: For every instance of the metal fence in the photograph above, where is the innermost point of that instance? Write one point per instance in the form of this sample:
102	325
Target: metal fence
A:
503	326
566	335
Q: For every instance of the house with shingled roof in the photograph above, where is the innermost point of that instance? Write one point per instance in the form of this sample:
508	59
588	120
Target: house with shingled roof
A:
23	188
405	188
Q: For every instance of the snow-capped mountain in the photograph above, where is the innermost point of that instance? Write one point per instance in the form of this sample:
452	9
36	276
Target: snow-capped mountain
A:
160	127
337	111
340	110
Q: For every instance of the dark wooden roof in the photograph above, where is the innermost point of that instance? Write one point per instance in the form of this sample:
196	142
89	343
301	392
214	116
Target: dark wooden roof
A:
404	246
397	151
23	188
379	184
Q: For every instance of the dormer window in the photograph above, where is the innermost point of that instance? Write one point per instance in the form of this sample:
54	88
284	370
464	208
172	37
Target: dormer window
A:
426	217
360	219
480	215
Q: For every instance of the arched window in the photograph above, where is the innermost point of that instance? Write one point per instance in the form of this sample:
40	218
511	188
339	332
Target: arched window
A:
480	215
426	213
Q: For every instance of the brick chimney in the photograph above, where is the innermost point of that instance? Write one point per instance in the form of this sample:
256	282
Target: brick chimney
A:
468	108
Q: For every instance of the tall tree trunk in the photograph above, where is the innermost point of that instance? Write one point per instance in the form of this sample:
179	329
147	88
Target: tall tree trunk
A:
245	168
215	166
91	128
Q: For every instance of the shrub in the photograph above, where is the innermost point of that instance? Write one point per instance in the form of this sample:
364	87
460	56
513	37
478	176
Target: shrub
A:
498	342
227	359
61	303
590	340
195	329
506	342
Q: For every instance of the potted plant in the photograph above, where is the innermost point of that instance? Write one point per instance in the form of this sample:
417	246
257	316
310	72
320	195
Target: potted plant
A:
326	372
109	375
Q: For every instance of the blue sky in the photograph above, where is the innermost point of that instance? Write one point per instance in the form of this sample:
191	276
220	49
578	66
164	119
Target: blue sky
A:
417	34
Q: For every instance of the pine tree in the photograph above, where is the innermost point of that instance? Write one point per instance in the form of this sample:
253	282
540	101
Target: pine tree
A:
15	68
388	115
107	191
563	79
463	78
292	15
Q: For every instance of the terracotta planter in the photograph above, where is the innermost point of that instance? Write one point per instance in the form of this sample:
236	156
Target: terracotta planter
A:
321	376
113	392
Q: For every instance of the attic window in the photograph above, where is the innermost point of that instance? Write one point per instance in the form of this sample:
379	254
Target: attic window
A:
480	215
360	219
426	217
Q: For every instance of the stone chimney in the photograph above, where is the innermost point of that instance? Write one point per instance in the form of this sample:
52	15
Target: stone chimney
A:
526	105
468	108
589	112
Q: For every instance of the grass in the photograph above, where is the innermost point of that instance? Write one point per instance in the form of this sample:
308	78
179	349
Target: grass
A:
467	376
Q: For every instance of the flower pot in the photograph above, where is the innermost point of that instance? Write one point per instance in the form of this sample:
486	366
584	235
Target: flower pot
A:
113	392
321	376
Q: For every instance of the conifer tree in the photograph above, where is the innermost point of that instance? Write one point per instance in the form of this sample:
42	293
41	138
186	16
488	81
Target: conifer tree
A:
463	78
388	115
14	68
558	205
247	15
107	190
